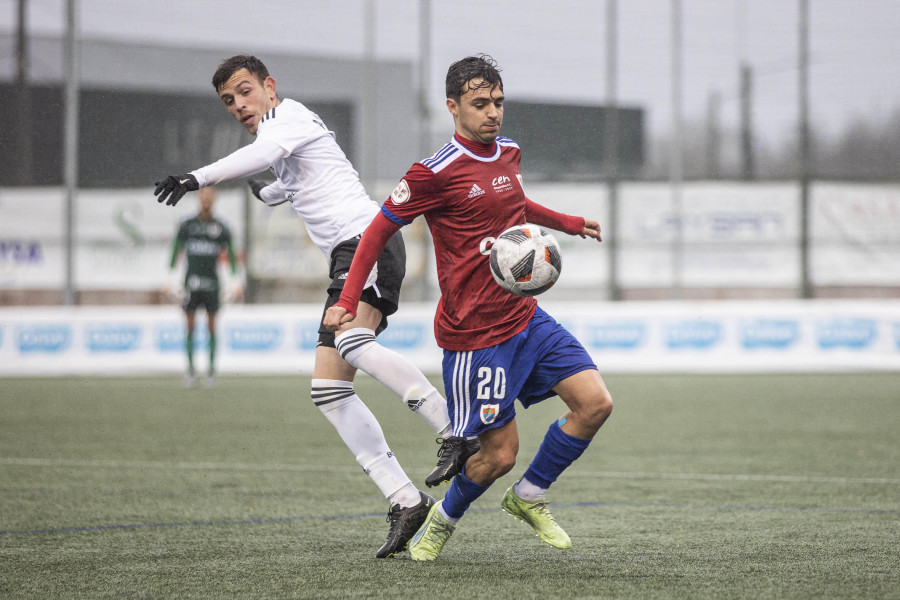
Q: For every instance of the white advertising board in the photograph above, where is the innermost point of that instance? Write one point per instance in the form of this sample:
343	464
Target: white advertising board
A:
802	336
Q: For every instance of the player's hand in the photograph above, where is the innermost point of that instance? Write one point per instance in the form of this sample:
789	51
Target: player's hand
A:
173	187
256	187
335	317
591	230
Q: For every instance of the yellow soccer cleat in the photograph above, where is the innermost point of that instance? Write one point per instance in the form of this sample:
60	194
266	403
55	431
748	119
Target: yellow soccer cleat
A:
428	541
536	514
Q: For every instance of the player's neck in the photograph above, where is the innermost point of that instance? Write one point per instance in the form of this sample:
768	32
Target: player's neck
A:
476	147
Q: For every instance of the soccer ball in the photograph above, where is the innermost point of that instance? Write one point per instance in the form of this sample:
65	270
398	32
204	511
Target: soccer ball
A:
526	260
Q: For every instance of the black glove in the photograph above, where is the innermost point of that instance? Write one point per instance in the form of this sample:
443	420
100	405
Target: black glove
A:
256	187
173	187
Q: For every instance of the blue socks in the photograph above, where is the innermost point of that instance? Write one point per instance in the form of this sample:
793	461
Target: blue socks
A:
463	491
557	451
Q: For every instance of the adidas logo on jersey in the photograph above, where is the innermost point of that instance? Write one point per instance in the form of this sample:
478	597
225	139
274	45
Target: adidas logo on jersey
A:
476	191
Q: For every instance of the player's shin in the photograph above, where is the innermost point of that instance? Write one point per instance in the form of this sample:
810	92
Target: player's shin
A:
189	349
361	432
212	353
462	492
558	450
359	348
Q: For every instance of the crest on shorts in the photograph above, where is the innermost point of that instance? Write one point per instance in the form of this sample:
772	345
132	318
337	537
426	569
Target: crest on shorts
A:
489	413
400	193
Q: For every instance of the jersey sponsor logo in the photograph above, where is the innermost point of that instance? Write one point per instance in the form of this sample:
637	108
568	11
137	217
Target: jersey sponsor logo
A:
853	334
48	339
484	247
113	338
502	184
489	412
201	247
401	193
476	191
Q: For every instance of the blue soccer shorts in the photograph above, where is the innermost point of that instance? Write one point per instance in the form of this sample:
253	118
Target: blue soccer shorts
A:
482	385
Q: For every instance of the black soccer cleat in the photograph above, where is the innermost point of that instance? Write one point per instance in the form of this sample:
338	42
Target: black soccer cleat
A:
452	455
405	522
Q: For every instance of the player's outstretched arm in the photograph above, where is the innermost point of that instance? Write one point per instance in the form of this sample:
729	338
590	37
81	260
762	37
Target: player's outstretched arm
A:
171	189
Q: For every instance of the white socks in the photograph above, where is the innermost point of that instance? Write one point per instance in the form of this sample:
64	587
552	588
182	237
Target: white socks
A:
526	490
358	347
362	434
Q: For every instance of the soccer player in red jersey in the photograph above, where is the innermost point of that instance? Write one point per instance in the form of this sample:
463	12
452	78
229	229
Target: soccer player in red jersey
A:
497	346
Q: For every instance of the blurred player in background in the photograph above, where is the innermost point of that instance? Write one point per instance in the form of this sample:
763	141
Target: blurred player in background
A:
202	239
324	190
497	347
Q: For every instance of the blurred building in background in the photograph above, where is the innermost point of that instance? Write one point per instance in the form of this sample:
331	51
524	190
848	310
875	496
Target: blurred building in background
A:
740	221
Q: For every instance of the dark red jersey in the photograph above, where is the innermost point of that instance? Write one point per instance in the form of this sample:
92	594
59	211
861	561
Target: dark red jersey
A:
467	199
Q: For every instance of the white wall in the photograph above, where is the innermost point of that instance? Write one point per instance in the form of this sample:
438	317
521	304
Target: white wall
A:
733	235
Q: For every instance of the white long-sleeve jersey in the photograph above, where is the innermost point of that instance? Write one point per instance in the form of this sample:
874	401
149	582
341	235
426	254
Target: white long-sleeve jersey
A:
312	172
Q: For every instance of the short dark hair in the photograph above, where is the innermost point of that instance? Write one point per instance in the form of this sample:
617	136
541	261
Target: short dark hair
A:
232	65
462	72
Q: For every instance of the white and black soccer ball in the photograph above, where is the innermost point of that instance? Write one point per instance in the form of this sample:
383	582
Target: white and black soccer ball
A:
526	260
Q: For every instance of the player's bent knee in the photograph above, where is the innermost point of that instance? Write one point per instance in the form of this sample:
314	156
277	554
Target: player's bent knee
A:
503	462
492	465
599	407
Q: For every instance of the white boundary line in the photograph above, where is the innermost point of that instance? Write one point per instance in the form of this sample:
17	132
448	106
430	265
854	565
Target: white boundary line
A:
218	466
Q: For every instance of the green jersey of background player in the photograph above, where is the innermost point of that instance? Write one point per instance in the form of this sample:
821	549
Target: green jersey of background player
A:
202	239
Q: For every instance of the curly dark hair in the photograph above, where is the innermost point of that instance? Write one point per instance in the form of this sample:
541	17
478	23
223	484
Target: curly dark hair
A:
462	72
234	64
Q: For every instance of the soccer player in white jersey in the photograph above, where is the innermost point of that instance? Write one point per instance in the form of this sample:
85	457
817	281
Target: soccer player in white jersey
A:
497	347
314	175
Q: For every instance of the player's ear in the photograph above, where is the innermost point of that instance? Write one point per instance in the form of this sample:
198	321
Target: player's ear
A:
269	84
453	107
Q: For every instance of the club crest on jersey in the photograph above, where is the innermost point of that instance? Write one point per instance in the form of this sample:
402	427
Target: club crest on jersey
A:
401	192
489	413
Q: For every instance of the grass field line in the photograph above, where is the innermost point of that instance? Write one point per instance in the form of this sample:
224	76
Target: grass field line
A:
220	466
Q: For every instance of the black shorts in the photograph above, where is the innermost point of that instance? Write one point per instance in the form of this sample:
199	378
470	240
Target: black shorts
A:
384	295
209	301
